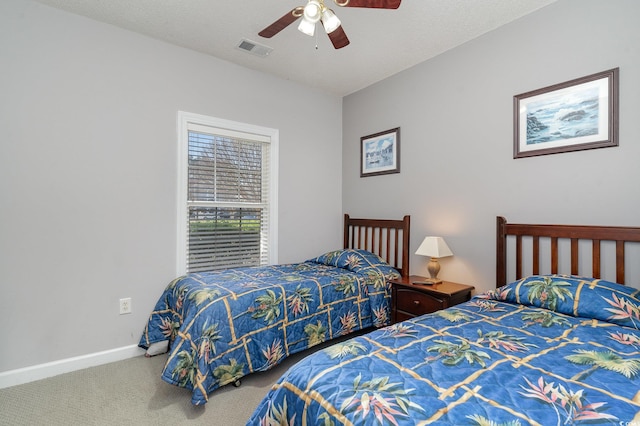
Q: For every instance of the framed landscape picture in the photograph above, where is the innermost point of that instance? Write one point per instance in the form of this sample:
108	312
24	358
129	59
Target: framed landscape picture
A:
380	153
570	116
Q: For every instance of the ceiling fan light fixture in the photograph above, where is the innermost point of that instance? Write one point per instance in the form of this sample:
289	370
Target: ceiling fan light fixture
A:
330	21
313	11
307	27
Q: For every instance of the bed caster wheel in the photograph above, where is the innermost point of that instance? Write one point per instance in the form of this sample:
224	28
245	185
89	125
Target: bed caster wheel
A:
237	383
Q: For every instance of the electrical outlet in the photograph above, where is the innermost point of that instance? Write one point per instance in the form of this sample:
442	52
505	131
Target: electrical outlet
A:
125	306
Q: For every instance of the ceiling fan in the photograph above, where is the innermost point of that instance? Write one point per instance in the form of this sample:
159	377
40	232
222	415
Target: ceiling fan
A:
315	11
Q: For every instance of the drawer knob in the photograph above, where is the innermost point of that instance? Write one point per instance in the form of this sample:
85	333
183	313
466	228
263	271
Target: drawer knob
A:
416	302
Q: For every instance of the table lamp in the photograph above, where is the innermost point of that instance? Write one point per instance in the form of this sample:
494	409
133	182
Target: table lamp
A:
435	247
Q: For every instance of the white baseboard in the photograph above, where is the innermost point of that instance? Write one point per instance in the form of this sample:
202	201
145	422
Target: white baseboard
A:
50	369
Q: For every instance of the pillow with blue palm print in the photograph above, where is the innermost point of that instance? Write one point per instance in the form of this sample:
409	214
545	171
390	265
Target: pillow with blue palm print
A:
576	296
357	260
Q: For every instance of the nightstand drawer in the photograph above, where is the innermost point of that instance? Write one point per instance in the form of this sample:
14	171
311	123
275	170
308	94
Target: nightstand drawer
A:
409	300
417	303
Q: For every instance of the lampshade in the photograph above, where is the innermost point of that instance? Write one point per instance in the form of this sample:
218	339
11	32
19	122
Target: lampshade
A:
434	247
307	27
330	20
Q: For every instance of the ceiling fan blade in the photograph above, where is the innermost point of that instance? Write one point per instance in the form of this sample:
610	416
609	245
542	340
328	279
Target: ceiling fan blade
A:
379	4
282	23
338	38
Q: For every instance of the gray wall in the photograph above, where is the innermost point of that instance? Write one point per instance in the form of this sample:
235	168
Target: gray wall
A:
88	166
456	117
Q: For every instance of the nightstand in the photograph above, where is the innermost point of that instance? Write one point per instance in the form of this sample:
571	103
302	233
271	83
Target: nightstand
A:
410	300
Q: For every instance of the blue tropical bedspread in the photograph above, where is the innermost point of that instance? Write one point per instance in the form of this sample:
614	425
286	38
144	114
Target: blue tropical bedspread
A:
224	325
545	350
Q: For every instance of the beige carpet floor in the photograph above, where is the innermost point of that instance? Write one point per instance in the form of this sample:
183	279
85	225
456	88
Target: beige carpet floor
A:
130	392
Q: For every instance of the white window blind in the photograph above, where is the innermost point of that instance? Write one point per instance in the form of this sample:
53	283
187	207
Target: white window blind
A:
228	197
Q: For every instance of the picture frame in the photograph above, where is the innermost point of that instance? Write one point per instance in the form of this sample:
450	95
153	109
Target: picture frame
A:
575	115
380	153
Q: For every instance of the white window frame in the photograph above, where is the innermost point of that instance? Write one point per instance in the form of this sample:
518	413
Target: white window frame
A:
187	119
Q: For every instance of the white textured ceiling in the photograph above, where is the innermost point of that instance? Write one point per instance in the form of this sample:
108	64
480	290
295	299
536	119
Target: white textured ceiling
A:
383	42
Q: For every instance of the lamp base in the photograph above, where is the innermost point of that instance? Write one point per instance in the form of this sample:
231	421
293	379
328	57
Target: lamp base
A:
433	267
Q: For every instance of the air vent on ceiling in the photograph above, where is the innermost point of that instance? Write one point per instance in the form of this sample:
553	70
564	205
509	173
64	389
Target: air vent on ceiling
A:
254	48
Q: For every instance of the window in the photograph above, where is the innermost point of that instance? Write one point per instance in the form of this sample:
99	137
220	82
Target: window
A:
227	194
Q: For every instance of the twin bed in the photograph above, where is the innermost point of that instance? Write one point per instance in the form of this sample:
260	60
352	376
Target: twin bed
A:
223	325
542	348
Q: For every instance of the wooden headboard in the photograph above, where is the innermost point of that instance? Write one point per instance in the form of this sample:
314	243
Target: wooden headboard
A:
574	234
387	238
